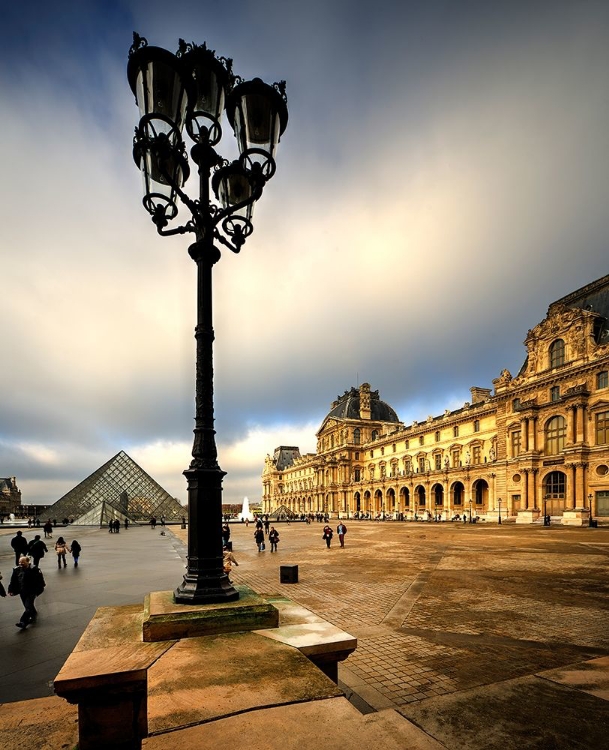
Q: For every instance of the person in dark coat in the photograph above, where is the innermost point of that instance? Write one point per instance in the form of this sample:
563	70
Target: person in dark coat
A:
75	548
273	538
19	545
48	529
36	549
259	537
27	582
328	534
226	536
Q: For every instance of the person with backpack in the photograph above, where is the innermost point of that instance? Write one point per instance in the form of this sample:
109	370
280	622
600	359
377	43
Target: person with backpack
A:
19	545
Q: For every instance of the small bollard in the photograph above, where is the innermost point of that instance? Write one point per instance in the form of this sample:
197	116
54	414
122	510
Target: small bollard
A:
288	574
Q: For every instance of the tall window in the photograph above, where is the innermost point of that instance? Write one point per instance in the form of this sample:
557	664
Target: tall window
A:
456	431
476	425
438	461
406	444
422	464
555	393
516	404
557	353
357	475
357	436
421	439
555	484
515	443
602	379
437	436
602	428
456	458
375	434
556	430
476	454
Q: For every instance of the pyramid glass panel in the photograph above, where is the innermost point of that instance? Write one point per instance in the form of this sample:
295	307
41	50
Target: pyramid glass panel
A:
120	488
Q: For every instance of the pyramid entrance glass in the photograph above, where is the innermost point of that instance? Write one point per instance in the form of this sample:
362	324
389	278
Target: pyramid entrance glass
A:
117	490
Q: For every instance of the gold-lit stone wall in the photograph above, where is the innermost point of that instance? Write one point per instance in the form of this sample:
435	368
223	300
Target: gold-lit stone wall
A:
536	444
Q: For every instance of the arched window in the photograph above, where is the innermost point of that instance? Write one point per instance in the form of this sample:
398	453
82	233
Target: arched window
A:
557	353
556	430
375	434
357	435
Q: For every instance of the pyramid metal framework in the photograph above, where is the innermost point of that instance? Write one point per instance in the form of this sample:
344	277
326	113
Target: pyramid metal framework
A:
117	490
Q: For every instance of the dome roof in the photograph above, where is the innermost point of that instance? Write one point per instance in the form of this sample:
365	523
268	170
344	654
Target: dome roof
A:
347	406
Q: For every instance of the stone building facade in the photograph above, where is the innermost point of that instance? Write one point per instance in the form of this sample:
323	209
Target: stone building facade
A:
10	496
536	444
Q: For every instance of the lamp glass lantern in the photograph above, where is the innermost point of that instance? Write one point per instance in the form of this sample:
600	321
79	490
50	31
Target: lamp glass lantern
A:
210	80
258	115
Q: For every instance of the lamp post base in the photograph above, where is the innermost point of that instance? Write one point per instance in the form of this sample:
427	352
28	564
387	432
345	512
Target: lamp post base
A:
194	591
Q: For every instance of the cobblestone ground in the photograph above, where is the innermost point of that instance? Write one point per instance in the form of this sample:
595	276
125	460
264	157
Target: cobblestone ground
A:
439	608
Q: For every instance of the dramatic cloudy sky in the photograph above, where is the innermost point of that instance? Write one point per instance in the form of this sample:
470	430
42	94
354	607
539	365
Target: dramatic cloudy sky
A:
443	178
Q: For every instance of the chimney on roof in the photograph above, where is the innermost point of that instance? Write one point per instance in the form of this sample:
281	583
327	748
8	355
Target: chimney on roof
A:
479	394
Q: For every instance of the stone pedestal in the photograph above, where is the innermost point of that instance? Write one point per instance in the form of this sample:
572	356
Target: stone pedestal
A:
576	517
165	620
528	516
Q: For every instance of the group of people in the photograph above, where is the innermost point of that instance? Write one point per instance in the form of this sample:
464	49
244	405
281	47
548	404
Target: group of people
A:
27	580
341	530
263	527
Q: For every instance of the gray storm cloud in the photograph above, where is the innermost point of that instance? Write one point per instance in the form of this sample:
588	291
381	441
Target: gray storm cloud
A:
443	178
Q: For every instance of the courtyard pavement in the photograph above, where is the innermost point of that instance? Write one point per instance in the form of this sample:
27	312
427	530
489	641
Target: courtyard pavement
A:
478	634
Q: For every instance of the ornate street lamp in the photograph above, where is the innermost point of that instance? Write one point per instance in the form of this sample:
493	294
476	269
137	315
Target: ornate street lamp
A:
191	90
499	519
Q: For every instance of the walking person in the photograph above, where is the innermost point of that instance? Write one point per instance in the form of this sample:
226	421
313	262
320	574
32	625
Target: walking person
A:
259	537
273	538
48	529
61	548
27	582
75	549
341	530
226	542
228	562
19	545
328	534
36	549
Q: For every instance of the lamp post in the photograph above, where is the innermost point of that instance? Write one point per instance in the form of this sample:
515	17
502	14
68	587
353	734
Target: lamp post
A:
192	89
590	522
470	511
545	508
499	519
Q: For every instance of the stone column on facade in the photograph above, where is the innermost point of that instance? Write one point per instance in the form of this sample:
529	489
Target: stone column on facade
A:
536	489
581	422
526	489
571	488
531	441
524	433
572	423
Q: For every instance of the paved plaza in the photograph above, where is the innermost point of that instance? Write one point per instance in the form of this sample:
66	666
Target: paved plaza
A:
478	634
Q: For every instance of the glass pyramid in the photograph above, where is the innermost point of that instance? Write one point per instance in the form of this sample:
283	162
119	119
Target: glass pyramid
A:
118	489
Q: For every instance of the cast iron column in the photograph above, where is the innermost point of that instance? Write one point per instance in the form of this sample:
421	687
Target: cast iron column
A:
205	581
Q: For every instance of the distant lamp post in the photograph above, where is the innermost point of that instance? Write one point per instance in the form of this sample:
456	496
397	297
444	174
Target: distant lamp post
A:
499	518
590	521
191	90
470	511
545	508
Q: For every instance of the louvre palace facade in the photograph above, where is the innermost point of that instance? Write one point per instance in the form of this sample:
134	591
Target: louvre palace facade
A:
535	444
